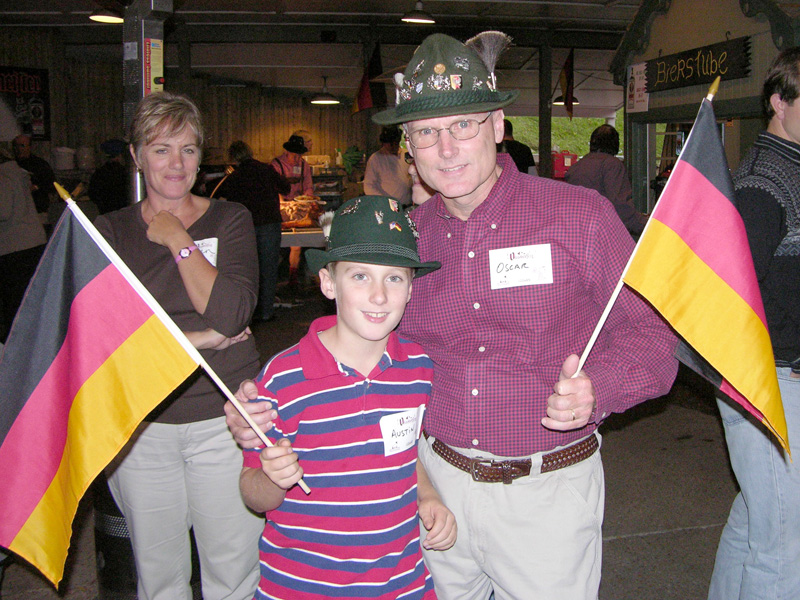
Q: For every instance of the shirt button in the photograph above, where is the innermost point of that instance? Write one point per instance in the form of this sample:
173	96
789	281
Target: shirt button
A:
475	442
471	254
476	306
449	235
482	349
493	225
474	392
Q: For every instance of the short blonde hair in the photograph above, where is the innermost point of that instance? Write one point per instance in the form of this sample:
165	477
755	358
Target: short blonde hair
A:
164	113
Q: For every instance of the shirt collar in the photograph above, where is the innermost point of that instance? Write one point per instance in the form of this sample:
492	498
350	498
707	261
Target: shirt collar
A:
318	362
785	148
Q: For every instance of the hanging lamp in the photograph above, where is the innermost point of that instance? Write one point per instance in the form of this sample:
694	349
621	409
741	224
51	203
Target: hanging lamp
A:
324	97
418	15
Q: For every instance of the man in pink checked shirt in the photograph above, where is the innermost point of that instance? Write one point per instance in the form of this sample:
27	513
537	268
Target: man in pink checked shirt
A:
528	265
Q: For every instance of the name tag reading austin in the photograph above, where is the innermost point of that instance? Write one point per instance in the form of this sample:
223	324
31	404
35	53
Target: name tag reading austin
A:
401	430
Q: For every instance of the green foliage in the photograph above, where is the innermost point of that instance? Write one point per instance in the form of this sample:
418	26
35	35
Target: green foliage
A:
572	136
351	157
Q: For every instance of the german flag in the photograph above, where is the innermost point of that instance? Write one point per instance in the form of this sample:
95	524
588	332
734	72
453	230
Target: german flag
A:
371	94
90	354
693	264
566	79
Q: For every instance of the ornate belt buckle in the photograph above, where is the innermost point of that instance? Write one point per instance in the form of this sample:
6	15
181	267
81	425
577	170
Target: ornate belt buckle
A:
474	466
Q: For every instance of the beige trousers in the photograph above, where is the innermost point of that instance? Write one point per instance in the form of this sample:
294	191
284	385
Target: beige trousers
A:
538	538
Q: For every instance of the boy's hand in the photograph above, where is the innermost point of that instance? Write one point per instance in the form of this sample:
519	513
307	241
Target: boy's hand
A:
440	523
281	465
261	412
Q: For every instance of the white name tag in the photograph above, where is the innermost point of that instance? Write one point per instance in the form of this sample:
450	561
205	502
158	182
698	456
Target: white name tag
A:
208	247
521	265
401	430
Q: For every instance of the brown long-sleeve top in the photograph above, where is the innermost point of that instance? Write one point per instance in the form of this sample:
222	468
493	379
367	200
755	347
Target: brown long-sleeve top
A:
230	306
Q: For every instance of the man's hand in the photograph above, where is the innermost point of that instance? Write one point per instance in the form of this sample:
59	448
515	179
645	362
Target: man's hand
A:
261	412
571	406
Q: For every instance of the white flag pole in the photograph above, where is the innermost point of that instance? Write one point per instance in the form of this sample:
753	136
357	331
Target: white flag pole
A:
148	298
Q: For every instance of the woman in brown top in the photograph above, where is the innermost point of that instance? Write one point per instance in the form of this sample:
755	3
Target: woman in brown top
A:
180	470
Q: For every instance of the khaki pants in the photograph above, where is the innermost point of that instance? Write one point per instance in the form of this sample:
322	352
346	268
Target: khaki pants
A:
538	538
171	478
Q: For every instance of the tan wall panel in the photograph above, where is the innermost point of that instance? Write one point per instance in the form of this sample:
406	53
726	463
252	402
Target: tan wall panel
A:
692	24
86	99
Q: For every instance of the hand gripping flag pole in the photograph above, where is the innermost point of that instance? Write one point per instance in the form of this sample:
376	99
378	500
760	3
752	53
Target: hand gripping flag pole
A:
693	264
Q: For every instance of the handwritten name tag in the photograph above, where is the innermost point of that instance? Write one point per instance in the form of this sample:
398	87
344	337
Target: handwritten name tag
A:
521	265
401	430
208	247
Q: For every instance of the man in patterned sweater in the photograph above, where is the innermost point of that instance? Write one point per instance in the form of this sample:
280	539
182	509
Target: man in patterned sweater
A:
759	551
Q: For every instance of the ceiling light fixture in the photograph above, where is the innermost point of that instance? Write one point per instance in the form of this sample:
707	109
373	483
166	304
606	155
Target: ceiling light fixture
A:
324	97
559	101
105	15
418	15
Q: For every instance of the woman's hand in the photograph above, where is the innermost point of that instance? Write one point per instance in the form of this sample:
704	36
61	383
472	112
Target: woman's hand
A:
209	339
167	230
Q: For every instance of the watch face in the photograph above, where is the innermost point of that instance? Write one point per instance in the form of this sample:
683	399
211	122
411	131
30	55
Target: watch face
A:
185	252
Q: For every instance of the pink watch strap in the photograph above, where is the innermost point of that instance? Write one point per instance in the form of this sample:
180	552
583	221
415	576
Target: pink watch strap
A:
185	253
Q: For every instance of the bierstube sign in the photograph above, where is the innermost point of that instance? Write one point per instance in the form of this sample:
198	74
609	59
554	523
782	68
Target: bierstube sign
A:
729	60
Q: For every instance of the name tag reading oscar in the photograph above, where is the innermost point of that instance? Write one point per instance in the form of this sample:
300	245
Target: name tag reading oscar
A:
401	430
521	265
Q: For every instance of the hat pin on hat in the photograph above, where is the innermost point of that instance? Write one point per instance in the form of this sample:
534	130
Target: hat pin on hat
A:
371	230
446	77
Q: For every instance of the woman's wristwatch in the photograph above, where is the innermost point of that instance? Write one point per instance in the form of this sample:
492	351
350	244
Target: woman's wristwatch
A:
185	253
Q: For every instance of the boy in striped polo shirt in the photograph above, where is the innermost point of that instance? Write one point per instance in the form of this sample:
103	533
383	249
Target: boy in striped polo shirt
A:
349	399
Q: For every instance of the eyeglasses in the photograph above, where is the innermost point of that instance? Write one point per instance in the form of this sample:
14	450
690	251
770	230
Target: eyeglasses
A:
465	129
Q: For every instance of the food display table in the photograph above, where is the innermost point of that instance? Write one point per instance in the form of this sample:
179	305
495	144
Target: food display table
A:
305	237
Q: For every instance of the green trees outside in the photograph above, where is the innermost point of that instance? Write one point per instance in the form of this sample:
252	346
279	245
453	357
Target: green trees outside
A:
572	136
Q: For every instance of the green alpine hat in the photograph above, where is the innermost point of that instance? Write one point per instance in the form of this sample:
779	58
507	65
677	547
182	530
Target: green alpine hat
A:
446	77
374	230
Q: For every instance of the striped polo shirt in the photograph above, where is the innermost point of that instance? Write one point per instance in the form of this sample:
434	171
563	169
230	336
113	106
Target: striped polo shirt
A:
357	534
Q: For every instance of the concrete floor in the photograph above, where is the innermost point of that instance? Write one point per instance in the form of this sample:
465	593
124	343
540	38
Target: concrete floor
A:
668	491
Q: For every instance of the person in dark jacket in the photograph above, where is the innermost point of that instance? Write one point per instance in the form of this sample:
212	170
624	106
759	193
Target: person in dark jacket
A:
257	185
519	152
601	170
110	185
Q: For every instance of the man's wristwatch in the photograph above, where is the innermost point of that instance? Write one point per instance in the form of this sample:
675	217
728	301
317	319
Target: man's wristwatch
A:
185	253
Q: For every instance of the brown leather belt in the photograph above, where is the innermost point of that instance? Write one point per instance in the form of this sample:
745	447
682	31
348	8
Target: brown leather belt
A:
495	471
